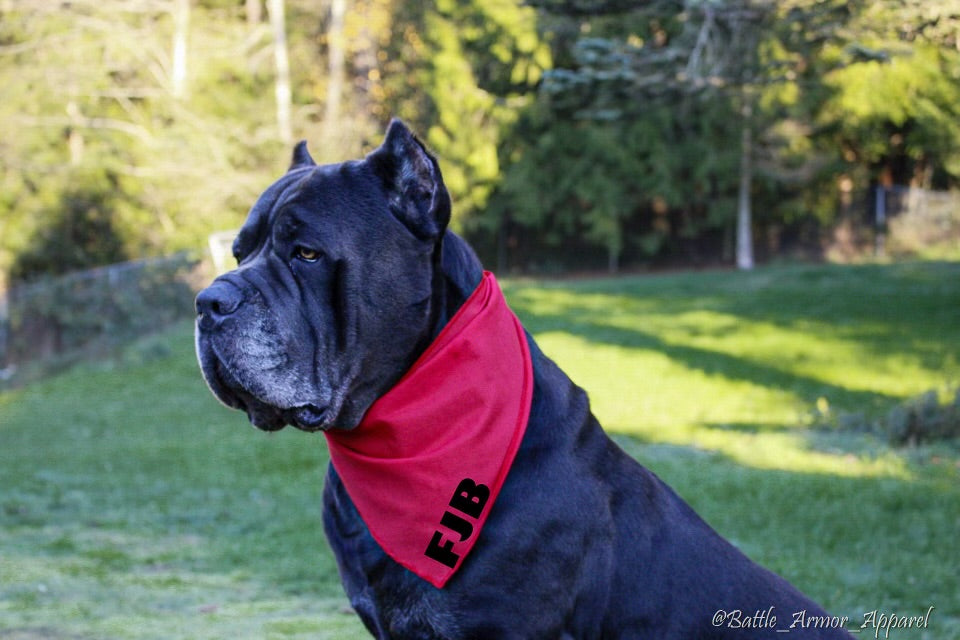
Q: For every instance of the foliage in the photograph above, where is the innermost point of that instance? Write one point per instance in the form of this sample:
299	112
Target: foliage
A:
731	51
100	132
800	69
920	419
89	109
924	419
458	71
572	178
900	116
91	101
55	319
80	234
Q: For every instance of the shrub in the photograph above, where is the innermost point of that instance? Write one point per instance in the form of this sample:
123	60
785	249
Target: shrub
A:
923	418
95	310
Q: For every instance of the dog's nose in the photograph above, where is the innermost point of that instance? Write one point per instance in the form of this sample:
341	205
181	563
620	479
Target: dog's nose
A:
216	302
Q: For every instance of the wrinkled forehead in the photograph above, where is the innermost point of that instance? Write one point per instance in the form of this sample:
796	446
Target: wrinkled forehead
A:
308	190
265	209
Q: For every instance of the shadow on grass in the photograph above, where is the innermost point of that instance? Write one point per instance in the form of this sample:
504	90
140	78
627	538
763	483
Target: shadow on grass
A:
908	309
885	320
712	362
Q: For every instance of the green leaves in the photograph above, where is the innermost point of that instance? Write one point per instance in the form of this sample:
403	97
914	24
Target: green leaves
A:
610	125
839	97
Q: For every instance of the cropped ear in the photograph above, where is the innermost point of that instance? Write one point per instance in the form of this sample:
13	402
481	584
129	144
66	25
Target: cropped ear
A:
301	157
411	175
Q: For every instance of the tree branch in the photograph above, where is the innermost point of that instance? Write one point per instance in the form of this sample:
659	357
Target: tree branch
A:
113	124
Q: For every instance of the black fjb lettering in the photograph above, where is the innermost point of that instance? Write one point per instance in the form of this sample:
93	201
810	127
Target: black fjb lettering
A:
455	523
441	550
469	498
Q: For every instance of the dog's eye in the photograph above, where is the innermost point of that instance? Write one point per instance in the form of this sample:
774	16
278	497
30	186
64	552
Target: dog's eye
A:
307	255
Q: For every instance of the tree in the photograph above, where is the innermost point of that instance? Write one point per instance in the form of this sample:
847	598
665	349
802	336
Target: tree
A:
282	89
185	131
459	72
80	234
703	49
181	21
636	188
894	110
336	56
90	112
254	11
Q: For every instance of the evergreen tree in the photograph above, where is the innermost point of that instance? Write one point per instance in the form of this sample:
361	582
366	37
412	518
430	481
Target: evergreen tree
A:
698	49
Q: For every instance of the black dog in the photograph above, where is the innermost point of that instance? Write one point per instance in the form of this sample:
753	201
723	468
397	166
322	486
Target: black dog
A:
347	274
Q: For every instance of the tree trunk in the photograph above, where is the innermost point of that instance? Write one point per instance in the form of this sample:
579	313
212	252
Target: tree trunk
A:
283	93
337	61
74	137
614	247
502	231
364	75
613	260
254	10
181	25
744	215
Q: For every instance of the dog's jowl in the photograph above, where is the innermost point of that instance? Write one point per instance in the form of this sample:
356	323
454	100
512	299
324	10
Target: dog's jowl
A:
471	493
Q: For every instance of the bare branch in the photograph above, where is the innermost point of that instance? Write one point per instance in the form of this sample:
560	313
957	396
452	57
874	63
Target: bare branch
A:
113	124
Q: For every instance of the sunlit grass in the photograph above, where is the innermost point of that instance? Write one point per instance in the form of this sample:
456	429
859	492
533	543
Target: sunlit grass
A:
132	505
729	361
646	394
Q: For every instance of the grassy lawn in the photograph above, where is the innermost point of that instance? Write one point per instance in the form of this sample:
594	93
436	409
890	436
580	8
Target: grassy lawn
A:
133	506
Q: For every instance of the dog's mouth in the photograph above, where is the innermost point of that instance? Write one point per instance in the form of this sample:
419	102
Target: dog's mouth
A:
307	417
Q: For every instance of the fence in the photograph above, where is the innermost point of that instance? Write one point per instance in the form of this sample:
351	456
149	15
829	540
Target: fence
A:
916	221
92	310
221	244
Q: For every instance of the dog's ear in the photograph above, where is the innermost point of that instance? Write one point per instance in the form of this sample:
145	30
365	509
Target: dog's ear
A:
418	197
301	157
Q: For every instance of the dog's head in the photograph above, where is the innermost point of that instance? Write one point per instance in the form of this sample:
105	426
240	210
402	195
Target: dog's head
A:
336	290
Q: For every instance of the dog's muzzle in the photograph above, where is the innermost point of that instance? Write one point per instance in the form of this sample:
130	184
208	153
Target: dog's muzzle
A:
216	303
215	306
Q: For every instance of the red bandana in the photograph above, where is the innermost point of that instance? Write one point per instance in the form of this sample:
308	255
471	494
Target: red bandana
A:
425	465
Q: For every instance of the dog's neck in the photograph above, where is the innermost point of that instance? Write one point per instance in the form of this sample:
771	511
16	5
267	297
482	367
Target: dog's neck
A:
460	271
456	273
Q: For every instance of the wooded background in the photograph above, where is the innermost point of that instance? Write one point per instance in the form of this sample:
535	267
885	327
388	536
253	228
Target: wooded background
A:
573	134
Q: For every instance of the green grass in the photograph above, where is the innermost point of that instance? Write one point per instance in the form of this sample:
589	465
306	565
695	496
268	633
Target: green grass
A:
133	506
